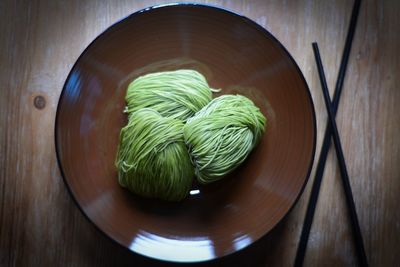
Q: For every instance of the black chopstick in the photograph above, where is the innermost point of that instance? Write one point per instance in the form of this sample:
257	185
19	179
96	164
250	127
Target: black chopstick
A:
327	140
342	165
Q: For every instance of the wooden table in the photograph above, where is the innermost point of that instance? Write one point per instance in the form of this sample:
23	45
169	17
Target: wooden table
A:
40	41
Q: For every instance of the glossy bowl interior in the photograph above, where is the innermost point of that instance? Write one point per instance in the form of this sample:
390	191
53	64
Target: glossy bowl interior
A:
234	54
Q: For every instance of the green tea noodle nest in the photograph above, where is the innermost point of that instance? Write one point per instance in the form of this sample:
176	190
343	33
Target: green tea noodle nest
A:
222	134
152	159
176	94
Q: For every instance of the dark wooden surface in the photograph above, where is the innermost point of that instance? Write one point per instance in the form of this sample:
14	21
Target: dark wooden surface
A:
39	42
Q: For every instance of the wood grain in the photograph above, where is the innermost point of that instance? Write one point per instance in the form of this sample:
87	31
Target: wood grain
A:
39	42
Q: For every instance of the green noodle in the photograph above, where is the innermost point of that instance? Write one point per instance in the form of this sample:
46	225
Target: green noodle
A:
221	135
176	94
152	158
175	131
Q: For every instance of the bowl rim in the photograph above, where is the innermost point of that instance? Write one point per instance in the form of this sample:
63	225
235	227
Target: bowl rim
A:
220	9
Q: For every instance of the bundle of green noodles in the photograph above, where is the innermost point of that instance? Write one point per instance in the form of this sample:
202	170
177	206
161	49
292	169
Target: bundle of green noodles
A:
175	131
176	94
222	134
152	158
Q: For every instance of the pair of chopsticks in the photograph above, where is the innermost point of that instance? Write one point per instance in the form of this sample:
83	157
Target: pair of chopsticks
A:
331	130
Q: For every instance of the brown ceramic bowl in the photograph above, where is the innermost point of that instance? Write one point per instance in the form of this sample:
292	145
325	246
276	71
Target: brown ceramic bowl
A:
235	54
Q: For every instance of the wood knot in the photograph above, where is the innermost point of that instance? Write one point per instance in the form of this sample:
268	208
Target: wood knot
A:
39	102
